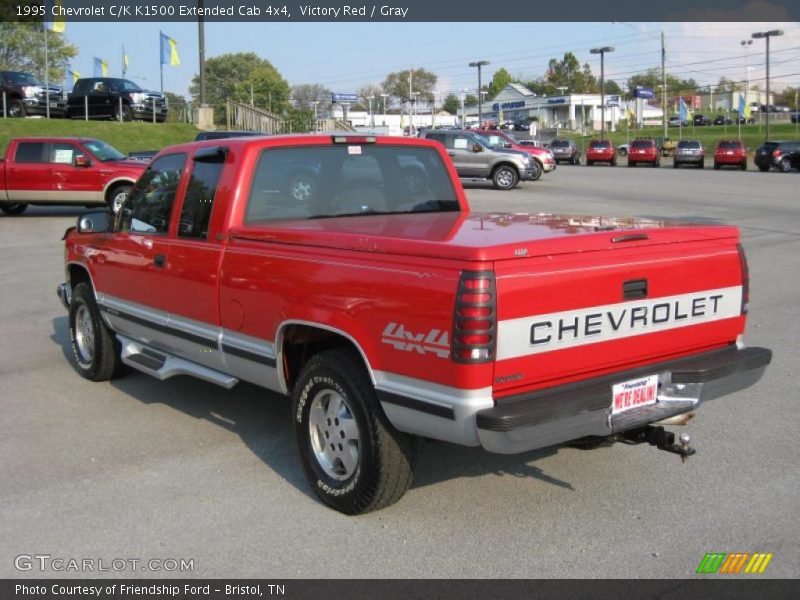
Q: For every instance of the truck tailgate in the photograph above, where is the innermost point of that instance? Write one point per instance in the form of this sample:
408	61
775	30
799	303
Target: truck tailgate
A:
569	316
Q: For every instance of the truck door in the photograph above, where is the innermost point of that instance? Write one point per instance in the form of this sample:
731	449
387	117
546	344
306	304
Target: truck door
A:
129	269
191	276
28	173
469	163
73	179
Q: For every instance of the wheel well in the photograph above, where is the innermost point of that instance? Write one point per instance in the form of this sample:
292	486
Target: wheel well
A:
300	342
114	186
505	164
78	274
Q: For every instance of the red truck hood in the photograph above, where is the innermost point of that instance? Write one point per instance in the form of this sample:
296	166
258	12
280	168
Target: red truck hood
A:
126	163
480	236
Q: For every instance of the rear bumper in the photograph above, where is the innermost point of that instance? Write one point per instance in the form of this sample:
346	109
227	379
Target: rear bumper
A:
690	159
569	412
728	159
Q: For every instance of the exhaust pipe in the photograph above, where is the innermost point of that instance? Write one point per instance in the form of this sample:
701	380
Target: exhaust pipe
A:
678	419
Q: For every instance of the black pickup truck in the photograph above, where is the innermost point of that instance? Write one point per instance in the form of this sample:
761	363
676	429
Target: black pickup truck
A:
26	95
114	98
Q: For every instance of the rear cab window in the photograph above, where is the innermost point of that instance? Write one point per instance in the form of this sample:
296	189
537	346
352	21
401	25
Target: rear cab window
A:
313	182
30	153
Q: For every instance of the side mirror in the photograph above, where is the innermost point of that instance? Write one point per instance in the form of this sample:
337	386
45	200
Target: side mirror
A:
93	222
477	148
81	160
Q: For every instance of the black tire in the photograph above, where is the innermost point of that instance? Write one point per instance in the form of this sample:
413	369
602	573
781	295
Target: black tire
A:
716	166
589	163
538	170
116	196
16	108
743	166
13	208
763	169
127	113
675	164
95	349
657	163
785	166
631	163
614	162
382	467
505	178
701	164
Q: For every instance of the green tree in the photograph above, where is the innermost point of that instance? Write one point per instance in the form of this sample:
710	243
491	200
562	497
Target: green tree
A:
612	87
500	80
304	96
22	49
652	79
364	93
423	82
451	104
240	77
568	73
725	85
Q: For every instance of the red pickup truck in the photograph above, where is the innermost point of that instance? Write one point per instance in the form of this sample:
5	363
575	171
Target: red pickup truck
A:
386	310
51	171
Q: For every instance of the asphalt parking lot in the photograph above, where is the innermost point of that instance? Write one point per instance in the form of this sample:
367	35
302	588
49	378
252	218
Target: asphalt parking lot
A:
183	469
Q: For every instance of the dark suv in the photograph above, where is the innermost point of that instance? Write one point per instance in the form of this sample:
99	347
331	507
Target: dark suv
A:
565	150
689	152
111	98
26	95
784	155
701	121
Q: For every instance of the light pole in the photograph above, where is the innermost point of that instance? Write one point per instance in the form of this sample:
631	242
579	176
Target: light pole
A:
463	115
414	115
314	104
479	64
766	35
371	115
384	96
602	52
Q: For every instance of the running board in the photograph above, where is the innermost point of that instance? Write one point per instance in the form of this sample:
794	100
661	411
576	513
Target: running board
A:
162	366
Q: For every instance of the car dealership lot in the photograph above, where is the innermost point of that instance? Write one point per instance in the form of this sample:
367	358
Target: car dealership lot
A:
182	469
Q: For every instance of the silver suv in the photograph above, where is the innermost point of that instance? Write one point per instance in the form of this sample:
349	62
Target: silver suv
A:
474	159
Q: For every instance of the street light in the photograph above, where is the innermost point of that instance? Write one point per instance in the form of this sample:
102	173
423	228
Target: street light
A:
479	64
413	127
371	116
384	96
602	52
766	35
314	104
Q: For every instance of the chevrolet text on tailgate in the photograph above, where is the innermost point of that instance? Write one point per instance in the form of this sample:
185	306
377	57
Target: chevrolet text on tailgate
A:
347	273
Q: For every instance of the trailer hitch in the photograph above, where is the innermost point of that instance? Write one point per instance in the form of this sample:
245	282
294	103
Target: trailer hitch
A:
661	439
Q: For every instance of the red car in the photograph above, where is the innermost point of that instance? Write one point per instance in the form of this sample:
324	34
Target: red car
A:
730	152
544	157
644	151
51	171
601	151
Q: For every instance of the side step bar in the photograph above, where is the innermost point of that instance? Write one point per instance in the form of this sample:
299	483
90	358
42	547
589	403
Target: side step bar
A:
162	366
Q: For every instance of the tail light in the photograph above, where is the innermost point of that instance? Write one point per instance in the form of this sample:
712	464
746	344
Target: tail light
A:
475	318
745	279
777	153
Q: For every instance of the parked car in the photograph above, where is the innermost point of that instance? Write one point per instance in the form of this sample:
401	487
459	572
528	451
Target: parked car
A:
783	155
730	153
701	121
566	151
622	149
543	157
113	98
221	134
82	171
675	121
689	152
644	150
26	95
475	159
601	151
723	120
795	117
745	120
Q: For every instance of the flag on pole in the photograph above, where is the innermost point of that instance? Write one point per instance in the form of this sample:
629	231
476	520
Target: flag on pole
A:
741	106
52	19
683	112
125	60
71	78
169	51
100	67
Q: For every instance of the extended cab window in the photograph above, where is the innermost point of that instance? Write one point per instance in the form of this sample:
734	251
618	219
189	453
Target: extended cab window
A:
30	152
199	199
348	179
149	205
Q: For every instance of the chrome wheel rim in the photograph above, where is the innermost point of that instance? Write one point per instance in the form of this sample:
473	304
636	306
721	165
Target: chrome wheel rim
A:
335	439
84	333
118	200
505	178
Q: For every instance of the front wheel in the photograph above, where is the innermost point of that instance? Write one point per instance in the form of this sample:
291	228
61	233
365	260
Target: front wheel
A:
95	349
353	457
505	177
127	113
16	109
117	197
537	170
13	208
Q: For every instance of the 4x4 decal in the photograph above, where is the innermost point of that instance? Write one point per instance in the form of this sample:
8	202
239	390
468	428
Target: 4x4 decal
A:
435	341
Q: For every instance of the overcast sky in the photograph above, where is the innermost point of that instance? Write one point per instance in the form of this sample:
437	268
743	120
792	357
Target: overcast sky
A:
345	56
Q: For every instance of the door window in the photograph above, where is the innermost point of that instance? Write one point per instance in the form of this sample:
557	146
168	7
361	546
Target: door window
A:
62	154
199	200
149	205
30	152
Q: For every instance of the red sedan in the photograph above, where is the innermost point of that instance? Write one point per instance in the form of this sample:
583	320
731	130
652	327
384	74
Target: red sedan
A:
730	152
601	151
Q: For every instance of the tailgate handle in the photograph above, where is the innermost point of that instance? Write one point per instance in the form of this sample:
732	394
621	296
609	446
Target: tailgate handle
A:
635	288
632	237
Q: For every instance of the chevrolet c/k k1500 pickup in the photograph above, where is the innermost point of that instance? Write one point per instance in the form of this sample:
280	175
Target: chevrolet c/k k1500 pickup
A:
386	310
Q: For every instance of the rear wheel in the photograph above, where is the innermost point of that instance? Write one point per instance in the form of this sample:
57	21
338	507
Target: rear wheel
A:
763	169
352	456
505	177
589	163
631	163
657	163
614	162
743	166
716	165
675	164
95	349
13	208
785	165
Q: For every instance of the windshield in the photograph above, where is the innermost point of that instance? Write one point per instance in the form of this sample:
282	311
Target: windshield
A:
21	78
102	151
316	182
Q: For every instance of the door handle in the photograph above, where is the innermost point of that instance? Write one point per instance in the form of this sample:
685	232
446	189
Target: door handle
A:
160	260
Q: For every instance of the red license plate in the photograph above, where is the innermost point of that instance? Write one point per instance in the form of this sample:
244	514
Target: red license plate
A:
634	393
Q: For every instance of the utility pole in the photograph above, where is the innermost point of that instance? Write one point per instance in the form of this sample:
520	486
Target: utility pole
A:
602	52
766	35
479	64
664	84
384	96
